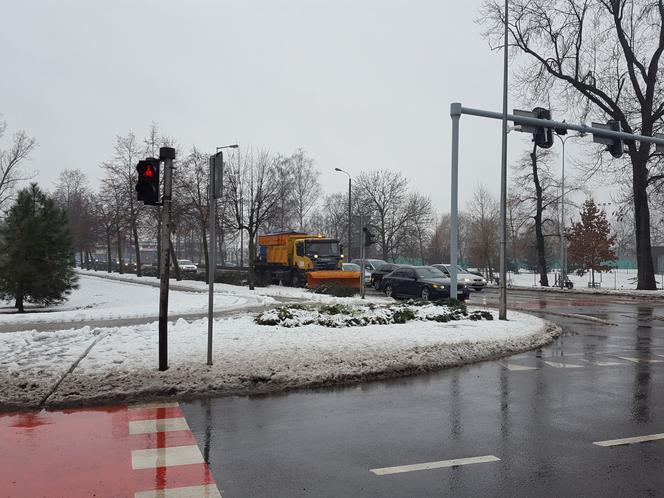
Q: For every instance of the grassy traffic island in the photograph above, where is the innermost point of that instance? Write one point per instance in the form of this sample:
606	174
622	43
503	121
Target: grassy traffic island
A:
296	346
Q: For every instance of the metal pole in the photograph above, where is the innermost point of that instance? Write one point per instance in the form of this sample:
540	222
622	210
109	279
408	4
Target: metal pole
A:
166	154
502	310
455	113
563	249
350	221
212	263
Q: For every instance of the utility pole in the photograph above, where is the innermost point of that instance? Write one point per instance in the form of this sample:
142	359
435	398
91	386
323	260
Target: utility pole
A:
215	192
362	251
167	155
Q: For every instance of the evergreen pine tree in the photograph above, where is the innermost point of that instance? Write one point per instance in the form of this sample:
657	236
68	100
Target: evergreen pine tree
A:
590	240
36	263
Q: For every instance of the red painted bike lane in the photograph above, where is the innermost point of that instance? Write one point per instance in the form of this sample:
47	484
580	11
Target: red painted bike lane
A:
138	451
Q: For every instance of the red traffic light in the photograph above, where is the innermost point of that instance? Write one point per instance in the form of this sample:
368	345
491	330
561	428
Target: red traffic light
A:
148	172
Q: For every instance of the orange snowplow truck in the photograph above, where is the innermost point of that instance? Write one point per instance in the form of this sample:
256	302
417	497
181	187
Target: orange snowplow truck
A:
300	259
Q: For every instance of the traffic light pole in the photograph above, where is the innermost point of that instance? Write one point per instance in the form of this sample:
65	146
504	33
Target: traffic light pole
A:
362	254
457	110
166	154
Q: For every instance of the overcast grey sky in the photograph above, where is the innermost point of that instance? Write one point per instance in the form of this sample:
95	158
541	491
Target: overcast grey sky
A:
358	84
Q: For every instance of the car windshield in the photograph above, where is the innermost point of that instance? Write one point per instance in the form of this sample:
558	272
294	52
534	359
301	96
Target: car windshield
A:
323	247
184	262
351	267
429	272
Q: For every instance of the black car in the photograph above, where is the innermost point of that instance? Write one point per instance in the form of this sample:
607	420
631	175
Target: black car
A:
378	274
421	281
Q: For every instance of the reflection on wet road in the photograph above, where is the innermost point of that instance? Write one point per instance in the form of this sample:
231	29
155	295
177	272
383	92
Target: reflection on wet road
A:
526	425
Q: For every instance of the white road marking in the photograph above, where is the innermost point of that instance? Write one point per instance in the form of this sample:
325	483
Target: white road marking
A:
434	465
156	404
640	360
205	491
158	425
630	440
555	364
516	368
604	363
165	457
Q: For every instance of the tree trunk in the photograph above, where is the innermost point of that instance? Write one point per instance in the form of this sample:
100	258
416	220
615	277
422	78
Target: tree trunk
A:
251	260
539	234
205	253
120	262
176	266
19	303
644	263
109	263
137	247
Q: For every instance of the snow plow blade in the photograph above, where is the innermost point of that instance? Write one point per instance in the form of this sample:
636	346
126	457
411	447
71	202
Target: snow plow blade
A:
317	279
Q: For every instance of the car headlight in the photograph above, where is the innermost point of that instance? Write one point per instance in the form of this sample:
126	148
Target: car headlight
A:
466	280
435	286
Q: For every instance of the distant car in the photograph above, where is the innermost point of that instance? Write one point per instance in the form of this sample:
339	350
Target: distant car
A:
351	267
369	266
378	274
424	282
475	282
187	266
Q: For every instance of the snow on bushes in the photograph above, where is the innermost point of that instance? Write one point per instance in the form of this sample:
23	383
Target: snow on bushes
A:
346	315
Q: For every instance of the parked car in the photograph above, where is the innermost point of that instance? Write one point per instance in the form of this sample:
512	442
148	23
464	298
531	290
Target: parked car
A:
351	267
424	282
473	281
187	266
378	274
369	266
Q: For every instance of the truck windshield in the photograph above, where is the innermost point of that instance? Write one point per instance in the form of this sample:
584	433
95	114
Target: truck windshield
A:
322	248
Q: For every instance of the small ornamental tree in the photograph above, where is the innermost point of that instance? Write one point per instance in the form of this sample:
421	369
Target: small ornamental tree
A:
36	263
590	241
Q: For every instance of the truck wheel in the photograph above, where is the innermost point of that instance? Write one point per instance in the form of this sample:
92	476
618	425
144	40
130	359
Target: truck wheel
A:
295	279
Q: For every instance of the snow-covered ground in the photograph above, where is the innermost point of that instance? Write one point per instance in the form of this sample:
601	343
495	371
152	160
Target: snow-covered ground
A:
121	363
102	299
621	281
275	291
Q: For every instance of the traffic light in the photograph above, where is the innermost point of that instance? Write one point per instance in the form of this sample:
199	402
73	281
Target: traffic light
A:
369	238
147	185
543	137
616	146
613	145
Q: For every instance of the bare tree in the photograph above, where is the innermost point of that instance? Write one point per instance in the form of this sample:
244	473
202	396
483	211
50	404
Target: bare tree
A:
10	162
193	183
252	194
122	174
604	58
73	194
483	233
383	195
306	187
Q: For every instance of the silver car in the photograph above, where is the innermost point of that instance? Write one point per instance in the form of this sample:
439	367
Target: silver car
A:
475	282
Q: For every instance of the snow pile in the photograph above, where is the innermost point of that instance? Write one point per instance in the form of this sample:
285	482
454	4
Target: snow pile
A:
344	315
120	364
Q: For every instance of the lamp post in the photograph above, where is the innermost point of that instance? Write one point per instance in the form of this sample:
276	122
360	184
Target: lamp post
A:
349	211
563	246
502	305
216	168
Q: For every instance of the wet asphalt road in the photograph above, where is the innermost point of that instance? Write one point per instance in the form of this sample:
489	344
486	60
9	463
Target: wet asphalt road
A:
540	422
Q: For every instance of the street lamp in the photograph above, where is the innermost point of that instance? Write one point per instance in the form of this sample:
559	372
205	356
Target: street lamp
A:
349	211
563	248
216	167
